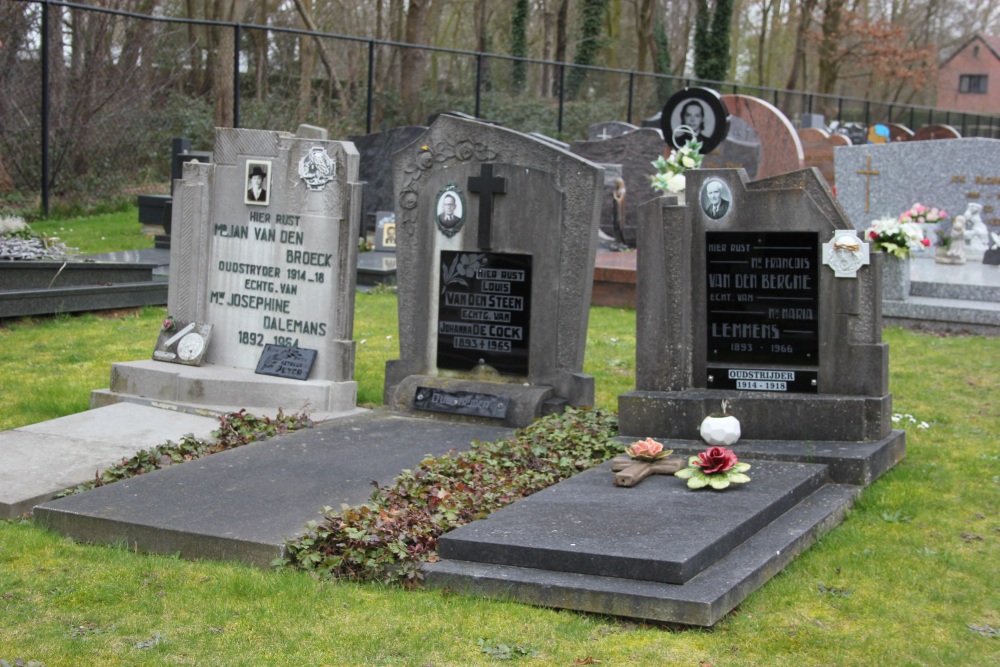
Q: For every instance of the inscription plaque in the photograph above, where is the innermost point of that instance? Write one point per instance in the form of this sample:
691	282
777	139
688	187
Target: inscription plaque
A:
460	402
286	362
763	309
484	311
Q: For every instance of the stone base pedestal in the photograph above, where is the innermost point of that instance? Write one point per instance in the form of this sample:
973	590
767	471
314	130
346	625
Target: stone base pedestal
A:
895	278
763	416
525	403
216	389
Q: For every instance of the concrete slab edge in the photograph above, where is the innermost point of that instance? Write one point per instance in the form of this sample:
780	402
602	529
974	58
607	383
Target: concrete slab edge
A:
149	539
703	601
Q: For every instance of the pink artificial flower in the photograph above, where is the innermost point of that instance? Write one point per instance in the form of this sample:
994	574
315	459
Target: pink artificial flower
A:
925	242
645	450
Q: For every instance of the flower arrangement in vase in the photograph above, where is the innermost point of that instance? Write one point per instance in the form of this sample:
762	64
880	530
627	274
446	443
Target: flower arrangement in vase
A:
670	170
896	237
928	216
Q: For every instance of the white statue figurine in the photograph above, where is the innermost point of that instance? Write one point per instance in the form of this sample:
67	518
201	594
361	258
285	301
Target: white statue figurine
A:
954	253
977	235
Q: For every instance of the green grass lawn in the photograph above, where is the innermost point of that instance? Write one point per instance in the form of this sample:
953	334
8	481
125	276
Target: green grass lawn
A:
910	578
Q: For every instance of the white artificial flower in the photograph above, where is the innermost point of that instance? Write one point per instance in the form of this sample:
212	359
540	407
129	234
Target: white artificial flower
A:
676	183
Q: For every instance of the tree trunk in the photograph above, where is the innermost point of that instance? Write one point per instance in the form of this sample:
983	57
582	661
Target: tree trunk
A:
222	71
562	20
829	65
412	61
801	37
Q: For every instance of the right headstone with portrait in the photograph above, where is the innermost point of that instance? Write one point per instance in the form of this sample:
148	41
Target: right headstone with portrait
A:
496	236
762	296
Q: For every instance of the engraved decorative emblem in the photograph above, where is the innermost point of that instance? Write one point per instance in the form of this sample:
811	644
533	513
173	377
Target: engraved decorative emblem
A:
317	168
845	253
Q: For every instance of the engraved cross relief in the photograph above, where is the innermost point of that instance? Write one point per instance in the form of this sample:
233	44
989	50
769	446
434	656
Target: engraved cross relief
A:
868	173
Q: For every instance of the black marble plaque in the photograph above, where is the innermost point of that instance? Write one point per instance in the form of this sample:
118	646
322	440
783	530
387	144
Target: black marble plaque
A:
484	311
763	298
460	402
286	362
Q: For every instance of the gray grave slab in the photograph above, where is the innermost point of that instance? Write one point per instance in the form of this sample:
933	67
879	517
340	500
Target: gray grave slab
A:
858	463
43	459
702	601
242	504
580	526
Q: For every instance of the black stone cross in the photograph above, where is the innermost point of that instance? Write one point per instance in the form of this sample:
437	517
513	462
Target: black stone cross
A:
486	185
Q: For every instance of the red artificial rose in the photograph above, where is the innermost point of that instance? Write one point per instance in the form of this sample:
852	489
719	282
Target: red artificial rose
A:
925	242
716	459
872	235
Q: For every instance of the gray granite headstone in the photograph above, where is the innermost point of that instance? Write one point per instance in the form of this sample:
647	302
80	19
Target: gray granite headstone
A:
496	236
609	129
376	151
741	149
635	152
885	180
741	308
278	268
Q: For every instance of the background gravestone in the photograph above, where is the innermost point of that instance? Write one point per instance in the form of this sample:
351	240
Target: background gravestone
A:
376	151
635	152
899	132
743	309
886	180
780	149
493	305
276	271
609	129
741	149
817	146
933	132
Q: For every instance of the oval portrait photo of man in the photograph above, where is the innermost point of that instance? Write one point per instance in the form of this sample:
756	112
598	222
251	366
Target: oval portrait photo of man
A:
716	198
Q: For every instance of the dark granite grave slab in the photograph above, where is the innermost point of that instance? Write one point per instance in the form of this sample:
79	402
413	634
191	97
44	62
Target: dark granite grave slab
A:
583	525
703	600
243	504
858	463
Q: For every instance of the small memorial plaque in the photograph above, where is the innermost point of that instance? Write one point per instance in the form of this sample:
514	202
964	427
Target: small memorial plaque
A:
286	362
460	403
755	379
763	298
484	311
183	342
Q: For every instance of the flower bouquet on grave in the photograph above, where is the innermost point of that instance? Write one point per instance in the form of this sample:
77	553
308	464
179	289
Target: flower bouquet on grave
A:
716	467
896	237
670	170
924	215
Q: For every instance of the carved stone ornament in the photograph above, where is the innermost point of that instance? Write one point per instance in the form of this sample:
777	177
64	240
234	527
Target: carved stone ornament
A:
317	168
845	253
442	154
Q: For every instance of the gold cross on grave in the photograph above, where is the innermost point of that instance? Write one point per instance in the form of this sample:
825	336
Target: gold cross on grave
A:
629	472
868	173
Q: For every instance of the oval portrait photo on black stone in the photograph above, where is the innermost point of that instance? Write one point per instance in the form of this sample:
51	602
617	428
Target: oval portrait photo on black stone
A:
716	198
695	113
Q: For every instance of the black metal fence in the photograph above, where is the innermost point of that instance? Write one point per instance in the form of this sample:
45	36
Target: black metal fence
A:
96	120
